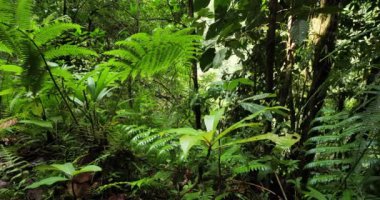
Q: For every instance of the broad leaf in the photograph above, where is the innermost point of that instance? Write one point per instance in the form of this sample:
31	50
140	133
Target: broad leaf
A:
47	181
88	168
187	142
212	121
199	4
67	168
299	31
207	58
40	123
283	142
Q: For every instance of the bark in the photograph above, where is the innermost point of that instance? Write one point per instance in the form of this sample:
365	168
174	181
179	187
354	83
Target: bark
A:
194	77
321	66
285	93
325	27
64	7
270	48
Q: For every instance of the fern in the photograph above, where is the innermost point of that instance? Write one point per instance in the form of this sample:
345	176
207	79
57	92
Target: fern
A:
142	139
6	11
4	48
23	14
68	50
27	43
151	54
51	31
13	167
348	148
252	166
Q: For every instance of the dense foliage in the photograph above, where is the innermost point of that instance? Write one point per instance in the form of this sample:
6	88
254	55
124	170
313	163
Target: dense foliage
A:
189	99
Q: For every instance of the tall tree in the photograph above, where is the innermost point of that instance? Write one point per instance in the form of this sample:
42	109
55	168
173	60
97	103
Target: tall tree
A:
270	48
194	69
323	35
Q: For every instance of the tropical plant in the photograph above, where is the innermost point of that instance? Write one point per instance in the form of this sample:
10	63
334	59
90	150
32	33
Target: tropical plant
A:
69	172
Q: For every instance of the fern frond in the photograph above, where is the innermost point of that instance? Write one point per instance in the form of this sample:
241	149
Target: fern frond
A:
68	50
325	178
4	48
252	166
23	14
123	54
147	140
12	166
33	66
7	38
337	149
156	145
7	11
50	32
327	163
151	54
117	64
133	45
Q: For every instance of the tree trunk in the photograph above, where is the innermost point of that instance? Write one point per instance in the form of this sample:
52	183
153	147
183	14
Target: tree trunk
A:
64	7
285	93
324	27
270	48
194	69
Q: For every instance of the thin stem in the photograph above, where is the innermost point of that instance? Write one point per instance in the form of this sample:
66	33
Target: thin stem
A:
73	189
282	189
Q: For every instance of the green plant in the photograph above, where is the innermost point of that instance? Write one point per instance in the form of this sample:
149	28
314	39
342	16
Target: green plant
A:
146	55
348	148
69	172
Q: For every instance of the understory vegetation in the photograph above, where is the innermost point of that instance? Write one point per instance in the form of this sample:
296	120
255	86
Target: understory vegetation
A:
189	99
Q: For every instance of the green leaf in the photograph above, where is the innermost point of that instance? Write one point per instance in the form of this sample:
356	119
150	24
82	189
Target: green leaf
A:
181	131
299	31
259	97
283	142
221	7
67	168
187	142
207	58
88	168
212	121
199	4
6	92
234	127
47	181
11	68
40	123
